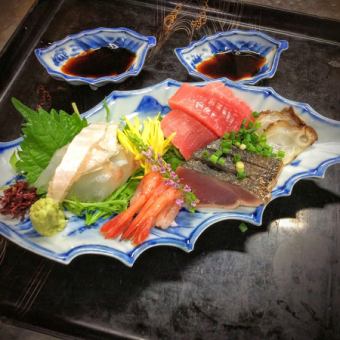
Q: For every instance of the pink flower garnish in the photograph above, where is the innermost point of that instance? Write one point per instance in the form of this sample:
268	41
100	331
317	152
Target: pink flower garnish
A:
179	202
187	188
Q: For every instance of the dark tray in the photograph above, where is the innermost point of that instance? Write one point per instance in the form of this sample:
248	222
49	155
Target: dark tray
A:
277	281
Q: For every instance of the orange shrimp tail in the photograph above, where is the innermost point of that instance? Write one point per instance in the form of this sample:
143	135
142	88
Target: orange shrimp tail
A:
167	216
146	218
144	211
121	222
118	224
143	232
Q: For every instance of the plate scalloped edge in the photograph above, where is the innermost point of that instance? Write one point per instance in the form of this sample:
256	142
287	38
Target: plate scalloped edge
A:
172	237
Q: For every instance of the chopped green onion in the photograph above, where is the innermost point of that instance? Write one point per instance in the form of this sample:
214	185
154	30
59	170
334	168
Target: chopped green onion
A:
226	144
221	161
241	175
247	138
280	154
243	227
218	153
205	154
263	138
257	125
239	166
236	158
251	148
213	159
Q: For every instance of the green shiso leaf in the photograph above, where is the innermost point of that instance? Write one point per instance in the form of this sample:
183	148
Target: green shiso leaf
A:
43	134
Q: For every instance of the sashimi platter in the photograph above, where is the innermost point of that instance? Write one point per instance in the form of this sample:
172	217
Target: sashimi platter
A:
156	166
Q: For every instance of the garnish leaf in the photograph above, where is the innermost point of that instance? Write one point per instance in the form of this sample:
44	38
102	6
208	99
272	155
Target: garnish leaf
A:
173	157
43	134
13	160
117	202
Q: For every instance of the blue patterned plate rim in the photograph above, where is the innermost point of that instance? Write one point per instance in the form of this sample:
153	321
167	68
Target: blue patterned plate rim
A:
151	40
282	46
187	243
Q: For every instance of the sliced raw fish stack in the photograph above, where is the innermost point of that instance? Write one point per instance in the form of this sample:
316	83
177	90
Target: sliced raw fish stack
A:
211	106
190	136
213	192
237	107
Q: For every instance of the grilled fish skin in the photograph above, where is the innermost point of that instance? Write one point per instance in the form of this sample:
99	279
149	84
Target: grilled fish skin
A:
262	172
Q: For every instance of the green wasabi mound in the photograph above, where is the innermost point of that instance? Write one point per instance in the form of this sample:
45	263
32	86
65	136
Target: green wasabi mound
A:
46	216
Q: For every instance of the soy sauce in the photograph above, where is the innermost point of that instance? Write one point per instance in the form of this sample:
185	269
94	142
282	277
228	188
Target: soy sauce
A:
233	65
104	61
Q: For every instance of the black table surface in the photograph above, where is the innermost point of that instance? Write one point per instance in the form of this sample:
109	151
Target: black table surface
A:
277	281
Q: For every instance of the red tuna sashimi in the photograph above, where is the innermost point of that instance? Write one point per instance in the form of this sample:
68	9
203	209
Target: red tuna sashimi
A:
209	109
214	193
235	105
190	136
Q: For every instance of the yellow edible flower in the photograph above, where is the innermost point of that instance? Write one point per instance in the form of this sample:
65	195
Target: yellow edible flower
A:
139	136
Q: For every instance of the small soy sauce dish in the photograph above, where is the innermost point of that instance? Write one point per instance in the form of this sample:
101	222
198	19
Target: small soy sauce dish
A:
244	57
96	57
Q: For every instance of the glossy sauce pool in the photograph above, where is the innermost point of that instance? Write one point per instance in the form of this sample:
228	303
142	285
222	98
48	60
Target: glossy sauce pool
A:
104	61
233	65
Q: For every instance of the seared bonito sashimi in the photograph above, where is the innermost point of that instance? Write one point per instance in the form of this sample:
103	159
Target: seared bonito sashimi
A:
262	172
213	192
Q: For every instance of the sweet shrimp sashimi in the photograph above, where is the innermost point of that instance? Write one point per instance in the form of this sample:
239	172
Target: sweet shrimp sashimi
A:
210	109
154	203
120	223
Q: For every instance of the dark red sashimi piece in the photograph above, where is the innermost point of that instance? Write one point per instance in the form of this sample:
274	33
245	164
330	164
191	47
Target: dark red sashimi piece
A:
235	105
190	136
215	193
210	110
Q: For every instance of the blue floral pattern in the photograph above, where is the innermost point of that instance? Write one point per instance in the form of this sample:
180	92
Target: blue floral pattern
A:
235	40
54	56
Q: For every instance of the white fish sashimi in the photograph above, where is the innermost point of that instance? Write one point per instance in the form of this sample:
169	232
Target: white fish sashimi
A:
74	159
103	151
48	172
99	184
